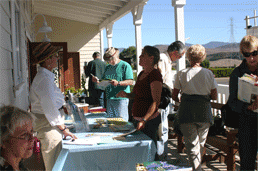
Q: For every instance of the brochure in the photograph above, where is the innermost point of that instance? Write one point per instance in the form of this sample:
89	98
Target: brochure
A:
87	141
247	89
104	83
159	165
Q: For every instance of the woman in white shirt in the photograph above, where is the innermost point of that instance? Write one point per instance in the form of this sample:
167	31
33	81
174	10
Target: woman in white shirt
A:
198	87
46	101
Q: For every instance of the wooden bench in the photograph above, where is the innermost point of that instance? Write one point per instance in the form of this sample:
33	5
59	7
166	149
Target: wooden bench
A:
225	148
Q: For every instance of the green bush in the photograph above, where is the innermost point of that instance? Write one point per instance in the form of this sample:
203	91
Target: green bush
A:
134	78
78	91
221	72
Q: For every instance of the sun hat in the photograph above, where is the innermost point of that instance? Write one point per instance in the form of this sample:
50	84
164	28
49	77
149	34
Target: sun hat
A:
110	52
44	51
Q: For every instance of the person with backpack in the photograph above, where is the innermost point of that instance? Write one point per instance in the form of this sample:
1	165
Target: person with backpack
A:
174	52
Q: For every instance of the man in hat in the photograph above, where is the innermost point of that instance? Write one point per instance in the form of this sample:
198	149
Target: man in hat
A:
47	104
96	68
120	75
174	52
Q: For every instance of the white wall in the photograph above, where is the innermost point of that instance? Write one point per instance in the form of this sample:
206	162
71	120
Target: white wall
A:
86	52
6	79
11	92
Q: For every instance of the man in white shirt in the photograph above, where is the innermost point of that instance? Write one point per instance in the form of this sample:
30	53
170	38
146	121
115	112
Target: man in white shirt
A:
46	102
174	52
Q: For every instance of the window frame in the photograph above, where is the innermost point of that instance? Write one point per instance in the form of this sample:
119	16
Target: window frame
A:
16	44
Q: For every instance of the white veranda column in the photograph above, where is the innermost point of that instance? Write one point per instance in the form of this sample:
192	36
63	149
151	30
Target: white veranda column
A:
109	30
179	27
137	21
101	44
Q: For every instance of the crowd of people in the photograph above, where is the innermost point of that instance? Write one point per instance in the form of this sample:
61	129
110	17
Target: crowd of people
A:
193	87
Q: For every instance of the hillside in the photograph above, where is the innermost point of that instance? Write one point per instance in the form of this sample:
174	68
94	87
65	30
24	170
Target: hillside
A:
225	55
221	50
225	63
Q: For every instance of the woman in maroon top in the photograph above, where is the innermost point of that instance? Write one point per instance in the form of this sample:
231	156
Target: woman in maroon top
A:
147	94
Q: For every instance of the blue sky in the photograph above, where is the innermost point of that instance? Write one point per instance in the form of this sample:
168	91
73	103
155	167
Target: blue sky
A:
205	21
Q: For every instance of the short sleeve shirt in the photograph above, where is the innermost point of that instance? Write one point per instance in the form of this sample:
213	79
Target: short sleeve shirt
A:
197	81
142	90
120	72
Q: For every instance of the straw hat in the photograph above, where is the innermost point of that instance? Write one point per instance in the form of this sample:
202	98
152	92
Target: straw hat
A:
110	52
44	51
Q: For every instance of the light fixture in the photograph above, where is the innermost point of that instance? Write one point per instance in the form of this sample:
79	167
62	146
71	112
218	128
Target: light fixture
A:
44	29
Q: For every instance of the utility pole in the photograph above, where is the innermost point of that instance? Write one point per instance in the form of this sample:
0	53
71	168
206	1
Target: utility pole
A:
232	39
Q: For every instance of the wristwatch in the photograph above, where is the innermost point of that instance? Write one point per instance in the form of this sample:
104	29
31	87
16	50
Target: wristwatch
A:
118	84
63	129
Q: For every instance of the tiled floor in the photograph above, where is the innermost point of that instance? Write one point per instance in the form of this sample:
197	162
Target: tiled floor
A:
181	159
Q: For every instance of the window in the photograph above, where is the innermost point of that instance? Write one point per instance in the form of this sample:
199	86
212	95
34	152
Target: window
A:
16	44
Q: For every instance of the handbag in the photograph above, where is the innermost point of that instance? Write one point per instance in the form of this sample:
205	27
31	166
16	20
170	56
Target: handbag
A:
229	117
165	96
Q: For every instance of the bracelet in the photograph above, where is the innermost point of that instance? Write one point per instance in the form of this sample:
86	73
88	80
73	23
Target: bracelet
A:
63	129
144	120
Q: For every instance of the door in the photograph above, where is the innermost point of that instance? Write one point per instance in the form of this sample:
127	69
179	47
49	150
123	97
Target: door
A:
71	78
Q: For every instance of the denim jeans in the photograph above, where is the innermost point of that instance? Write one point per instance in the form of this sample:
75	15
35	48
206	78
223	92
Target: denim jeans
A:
118	108
162	143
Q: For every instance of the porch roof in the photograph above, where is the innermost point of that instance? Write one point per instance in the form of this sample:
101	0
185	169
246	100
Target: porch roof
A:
97	12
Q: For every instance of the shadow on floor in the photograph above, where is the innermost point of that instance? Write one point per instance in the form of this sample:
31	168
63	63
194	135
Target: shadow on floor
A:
181	159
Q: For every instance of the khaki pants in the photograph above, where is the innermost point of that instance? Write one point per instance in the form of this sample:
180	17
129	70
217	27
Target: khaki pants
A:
50	138
195	135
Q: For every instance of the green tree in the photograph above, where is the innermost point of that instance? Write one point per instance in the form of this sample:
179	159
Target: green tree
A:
205	63
129	55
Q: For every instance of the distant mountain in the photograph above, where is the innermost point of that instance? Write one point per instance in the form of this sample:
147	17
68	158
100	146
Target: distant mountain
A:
211	47
215	44
230	45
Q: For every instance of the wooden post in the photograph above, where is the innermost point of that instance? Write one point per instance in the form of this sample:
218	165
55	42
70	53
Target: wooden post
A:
180	144
231	162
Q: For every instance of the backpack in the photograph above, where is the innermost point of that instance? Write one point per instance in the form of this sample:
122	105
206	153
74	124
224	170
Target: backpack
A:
166	95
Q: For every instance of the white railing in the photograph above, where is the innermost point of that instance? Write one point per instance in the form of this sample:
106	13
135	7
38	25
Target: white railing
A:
223	94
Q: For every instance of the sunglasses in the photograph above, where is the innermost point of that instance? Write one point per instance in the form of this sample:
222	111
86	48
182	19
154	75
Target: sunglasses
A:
247	54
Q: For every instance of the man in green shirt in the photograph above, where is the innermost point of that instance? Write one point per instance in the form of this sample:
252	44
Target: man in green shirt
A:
95	67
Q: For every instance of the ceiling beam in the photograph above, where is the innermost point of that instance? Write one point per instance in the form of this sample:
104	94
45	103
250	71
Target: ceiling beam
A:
63	14
120	13
119	3
69	11
68	5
